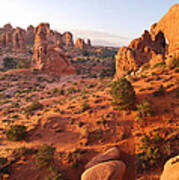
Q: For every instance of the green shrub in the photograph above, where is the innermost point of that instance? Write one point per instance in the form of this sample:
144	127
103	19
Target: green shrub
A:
123	94
174	63
16	133
45	156
177	92
160	91
9	63
33	107
151	154
3	161
84	106
144	109
161	64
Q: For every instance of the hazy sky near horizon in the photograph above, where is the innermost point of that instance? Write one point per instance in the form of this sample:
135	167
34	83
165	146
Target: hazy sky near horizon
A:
108	22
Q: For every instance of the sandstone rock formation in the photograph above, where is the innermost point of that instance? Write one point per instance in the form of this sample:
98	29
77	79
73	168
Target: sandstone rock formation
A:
12	38
18	38
140	51
48	57
89	43
29	36
80	43
112	170
67	38
171	169
109	155
169	26
151	47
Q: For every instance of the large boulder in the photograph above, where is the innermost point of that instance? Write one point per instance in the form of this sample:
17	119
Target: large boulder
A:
48	57
112	170
171	169
109	155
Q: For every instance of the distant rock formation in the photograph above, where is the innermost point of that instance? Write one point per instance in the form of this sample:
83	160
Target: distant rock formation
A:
49	57
30	36
151	47
12	38
89	43
80	43
67	38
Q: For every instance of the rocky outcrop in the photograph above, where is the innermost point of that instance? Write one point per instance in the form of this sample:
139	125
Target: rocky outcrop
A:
80	43
140	51
30	36
151	47
67	38
12	38
105	166
171	169
169	26
18	38
112	170
48	57
109	155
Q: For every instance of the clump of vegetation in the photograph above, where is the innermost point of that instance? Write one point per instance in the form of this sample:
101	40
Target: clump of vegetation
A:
54	174
160	91
16	133
45	156
33	107
9	63
23	64
161	64
144	109
177	92
123	94
84	106
21	151
3	161
174	63
151	154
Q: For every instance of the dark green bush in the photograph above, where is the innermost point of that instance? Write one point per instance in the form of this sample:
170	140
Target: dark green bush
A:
16	133
123	94
174	63
45	156
9	63
151	154
160	91
33	107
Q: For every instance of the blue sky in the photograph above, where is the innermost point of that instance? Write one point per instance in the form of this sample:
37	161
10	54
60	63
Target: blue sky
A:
108	22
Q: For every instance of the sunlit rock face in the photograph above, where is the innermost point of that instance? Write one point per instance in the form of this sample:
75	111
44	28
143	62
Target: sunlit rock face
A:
49	57
151	47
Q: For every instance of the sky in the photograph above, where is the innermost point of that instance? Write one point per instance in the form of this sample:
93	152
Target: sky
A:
105	22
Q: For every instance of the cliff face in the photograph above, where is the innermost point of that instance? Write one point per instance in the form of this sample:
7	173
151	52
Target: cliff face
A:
49	57
151	47
12	38
169	26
